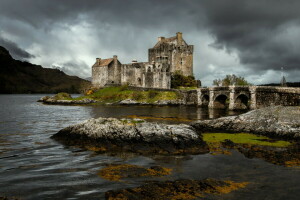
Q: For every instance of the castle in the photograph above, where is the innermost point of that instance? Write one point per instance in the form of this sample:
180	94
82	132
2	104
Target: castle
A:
167	56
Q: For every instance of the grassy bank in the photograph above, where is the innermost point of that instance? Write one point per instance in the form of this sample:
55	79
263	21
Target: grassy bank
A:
115	94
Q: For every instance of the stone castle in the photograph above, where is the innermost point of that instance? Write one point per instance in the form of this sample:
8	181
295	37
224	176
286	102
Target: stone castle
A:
167	56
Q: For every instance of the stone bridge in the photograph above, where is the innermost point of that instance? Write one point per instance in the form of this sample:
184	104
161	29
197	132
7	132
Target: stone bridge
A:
247	97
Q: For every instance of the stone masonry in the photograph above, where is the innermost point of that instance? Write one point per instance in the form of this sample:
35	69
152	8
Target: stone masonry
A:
166	57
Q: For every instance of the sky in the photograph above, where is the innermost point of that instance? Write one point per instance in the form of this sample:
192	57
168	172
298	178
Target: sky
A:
256	39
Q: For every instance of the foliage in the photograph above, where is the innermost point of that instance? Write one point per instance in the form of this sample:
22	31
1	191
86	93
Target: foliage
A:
152	94
63	96
179	80
137	96
231	80
124	87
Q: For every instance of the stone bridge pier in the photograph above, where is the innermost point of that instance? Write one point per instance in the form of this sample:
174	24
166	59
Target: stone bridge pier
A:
232	97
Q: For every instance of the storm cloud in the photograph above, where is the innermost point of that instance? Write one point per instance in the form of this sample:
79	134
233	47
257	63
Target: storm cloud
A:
15	50
254	38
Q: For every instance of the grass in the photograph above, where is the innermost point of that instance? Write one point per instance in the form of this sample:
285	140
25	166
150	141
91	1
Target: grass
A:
115	94
244	138
187	88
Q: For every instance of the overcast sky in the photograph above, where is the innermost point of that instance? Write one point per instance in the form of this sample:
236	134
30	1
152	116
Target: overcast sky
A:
250	38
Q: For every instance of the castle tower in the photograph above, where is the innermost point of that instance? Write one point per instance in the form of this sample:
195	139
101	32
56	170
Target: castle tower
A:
174	51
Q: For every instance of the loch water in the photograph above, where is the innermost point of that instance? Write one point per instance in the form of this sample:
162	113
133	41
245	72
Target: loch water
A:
33	166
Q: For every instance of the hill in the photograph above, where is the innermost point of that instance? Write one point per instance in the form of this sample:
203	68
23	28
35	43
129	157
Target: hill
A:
289	84
23	77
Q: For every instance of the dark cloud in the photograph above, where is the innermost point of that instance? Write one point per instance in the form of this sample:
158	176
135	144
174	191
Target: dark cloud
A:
15	50
231	36
265	34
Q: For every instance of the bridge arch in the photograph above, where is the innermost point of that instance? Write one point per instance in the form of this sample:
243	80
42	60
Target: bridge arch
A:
205	100
241	102
221	101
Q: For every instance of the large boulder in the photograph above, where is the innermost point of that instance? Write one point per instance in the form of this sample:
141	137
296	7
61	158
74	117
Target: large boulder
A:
133	135
276	121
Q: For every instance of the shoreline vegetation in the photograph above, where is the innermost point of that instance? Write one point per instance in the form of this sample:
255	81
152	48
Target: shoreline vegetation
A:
119	95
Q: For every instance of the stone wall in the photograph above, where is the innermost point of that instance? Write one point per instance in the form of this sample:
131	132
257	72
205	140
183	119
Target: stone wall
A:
271	96
235	98
99	76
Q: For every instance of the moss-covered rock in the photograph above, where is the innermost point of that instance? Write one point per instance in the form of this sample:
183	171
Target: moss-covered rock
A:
277	121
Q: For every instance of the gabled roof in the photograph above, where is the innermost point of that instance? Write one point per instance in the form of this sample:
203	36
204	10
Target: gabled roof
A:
105	62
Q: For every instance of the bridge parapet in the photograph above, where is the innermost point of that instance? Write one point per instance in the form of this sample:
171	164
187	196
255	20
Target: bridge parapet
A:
242	97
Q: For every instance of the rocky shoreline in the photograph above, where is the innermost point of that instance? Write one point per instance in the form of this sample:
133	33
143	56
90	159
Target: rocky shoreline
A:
54	101
276	121
133	135
139	136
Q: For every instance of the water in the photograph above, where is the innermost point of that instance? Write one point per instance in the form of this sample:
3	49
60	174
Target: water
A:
33	166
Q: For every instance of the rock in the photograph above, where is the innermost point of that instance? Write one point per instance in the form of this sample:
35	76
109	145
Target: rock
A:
178	189
117	172
277	121
43	99
58	99
133	135
128	102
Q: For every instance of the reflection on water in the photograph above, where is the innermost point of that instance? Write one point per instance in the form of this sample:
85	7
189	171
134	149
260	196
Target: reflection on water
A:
33	166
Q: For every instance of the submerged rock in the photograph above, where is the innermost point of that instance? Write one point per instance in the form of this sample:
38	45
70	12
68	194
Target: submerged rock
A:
179	189
277	121
117	172
133	135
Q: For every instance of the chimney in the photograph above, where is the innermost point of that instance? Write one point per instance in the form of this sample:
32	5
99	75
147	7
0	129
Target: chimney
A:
161	39
115	57
98	60
179	37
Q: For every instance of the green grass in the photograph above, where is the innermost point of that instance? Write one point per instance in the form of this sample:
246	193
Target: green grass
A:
187	88
63	96
115	94
244	138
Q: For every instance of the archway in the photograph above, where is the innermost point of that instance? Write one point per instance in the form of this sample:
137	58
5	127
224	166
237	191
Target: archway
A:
205	100
221	102
241	102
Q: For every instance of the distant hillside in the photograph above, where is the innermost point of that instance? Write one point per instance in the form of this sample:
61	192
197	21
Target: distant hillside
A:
289	84
23	77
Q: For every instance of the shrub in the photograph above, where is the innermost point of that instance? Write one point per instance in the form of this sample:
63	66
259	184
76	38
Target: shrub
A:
179	80
137	96
62	96
152	94
124	87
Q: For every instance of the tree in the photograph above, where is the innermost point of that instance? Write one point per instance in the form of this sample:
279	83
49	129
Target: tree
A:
179	80
231	80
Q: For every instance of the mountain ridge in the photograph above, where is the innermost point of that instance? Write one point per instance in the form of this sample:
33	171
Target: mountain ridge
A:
23	77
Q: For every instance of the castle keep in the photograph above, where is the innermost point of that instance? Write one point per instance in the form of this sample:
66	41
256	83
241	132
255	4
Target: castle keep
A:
167	56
